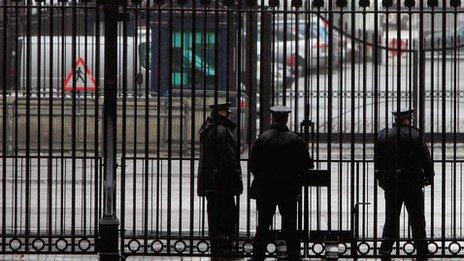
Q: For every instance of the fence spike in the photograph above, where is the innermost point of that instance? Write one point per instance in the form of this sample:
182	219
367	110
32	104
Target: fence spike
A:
318	3
342	3
205	2
387	3
364	3
274	3
228	2
432	3
455	3
297	3
409	3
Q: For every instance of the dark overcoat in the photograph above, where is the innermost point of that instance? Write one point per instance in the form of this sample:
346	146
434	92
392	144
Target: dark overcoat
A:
219	169
277	161
401	156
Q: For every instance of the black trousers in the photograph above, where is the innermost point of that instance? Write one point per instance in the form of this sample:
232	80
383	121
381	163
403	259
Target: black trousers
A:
288	210
222	220
413	198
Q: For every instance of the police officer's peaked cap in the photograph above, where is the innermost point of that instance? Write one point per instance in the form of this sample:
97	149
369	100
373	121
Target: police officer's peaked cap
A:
280	110
221	106
403	113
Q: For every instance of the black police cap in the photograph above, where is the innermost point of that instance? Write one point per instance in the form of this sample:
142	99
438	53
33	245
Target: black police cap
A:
221	106
403	113
280	109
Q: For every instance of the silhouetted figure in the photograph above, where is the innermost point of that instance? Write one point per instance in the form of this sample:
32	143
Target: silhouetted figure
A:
80	75
219	177
277	161
403	167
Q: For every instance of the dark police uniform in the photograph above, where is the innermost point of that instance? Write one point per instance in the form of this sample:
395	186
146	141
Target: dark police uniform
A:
219	178
277	160
403	166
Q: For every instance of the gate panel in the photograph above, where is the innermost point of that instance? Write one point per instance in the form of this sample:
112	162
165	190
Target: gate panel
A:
51	113
343	65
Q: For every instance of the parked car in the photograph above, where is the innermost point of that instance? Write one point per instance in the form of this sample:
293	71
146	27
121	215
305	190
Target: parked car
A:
303	44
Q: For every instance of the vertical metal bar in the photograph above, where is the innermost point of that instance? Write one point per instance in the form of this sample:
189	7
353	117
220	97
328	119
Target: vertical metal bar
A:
135	96
39	110
295	106
250	83
238	89
170	83
411	94
460	165
158	123
364	110
97	161
318	93
202	52
329	114
415	76
356	205
307	107
297	71
73	128
192	43
421	72
109	113
5	46
230	52
265	71
146	132
28	125
62	126
284	31
124	131
85	131
455	120
398	92
16	88
376	51
273	57
443	129
181	113
318	105
109	223
352	136
50	134
216	51
432	114
421	75
340	122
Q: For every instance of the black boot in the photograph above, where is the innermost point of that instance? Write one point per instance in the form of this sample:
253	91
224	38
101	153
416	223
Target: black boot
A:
422	253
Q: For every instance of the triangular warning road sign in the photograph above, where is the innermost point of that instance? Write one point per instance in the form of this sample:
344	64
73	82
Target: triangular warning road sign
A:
78	80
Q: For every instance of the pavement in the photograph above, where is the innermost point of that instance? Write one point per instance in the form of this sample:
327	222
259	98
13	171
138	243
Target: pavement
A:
159	258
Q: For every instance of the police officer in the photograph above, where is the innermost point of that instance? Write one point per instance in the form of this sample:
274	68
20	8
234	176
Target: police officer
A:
278	159
403	167
219	177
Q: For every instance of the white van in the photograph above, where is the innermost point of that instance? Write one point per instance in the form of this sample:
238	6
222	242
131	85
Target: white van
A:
81	71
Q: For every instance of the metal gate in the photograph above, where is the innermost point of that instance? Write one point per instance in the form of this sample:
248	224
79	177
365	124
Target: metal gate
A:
97	94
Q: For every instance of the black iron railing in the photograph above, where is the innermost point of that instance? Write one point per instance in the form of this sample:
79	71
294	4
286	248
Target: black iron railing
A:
101	102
